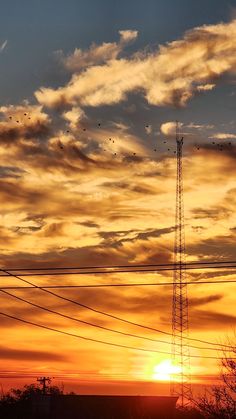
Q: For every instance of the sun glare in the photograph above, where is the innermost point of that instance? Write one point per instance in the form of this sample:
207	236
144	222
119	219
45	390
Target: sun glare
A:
165	371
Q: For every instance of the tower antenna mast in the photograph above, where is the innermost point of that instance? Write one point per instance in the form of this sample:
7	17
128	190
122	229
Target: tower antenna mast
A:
180	384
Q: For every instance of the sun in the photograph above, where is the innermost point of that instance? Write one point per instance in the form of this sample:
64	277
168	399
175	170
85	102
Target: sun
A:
165	371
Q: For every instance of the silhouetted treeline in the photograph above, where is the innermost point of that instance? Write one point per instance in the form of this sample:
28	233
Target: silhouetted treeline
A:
17	404
190	413
20	403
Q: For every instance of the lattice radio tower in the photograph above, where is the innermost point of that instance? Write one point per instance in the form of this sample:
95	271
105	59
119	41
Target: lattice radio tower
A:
180	384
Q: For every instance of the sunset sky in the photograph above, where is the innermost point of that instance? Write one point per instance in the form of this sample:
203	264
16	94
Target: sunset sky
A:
90	92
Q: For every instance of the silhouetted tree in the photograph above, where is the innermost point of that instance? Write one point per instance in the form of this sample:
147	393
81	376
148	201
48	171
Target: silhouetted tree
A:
220	401
17	402
188	413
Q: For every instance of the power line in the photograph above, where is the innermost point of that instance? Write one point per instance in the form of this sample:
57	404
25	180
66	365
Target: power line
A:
108	314
88	323
94	374
124	284
93	272
96	325
96	340
120	266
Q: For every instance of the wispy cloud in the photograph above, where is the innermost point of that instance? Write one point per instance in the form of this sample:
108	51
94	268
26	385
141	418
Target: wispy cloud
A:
224	136
96	54
3	45
169	76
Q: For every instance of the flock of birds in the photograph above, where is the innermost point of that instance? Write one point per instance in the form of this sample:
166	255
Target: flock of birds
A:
110	141
17	120
219	146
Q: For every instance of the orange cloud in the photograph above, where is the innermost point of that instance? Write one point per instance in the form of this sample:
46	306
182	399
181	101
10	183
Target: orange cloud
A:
75	197
169	128
224	136
96	54
23	122
170	76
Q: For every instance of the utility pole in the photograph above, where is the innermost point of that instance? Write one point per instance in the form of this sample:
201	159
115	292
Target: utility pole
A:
180	384
43	382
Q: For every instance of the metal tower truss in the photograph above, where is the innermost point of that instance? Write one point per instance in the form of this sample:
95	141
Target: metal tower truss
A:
180	383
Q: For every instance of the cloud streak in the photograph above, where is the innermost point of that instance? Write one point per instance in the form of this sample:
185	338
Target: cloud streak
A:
170	76
30	355
3	45
96	54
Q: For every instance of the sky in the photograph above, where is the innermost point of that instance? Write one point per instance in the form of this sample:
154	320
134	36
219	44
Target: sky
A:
90	92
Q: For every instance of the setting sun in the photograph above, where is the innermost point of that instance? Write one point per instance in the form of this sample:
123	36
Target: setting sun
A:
165	370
